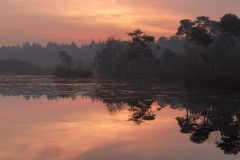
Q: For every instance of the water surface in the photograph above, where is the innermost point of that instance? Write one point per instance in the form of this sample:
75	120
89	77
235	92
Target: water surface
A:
73	119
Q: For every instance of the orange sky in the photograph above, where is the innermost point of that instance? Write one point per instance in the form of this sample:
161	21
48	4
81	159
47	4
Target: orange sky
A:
83	20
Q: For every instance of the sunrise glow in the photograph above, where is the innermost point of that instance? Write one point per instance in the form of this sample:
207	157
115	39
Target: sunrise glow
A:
82	21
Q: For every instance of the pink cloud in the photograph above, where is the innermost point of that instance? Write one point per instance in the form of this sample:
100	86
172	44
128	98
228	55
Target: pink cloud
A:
81	21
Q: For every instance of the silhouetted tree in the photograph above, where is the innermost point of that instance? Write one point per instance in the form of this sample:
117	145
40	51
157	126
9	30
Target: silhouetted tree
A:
108	62
185	29
66	59
230	23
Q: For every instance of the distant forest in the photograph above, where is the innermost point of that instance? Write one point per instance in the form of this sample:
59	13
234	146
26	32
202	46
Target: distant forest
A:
202	53
47	56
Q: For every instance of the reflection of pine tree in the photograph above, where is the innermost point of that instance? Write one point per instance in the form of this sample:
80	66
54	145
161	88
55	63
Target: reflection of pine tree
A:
142	111
230	133
203	128
187	124
229	145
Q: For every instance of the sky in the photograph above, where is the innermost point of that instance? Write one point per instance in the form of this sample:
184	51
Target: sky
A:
84	20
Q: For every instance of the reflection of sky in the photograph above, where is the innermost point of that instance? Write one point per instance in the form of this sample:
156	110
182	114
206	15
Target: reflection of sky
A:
80	130
83	20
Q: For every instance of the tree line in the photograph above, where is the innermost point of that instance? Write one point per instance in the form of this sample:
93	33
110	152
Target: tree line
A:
46	56
211	55
202	53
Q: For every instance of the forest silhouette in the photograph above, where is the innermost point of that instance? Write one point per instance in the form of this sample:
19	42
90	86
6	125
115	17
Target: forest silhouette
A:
202	53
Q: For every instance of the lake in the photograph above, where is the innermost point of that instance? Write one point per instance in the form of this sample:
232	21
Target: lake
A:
46	118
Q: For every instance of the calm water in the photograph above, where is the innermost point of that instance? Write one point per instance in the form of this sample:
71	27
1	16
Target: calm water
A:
44	118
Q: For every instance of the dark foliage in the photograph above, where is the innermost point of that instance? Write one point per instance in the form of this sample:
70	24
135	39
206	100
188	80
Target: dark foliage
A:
203	53
14	66
67	68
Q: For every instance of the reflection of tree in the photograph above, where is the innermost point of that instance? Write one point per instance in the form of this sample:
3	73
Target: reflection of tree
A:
204	115
229	127
201	134
135	97
230	139
210	115
203	128
187	124
142	111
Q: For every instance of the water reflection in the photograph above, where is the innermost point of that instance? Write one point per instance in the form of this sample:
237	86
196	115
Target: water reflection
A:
207	116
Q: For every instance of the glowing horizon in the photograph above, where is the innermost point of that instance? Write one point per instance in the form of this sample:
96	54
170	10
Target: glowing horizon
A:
82	21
